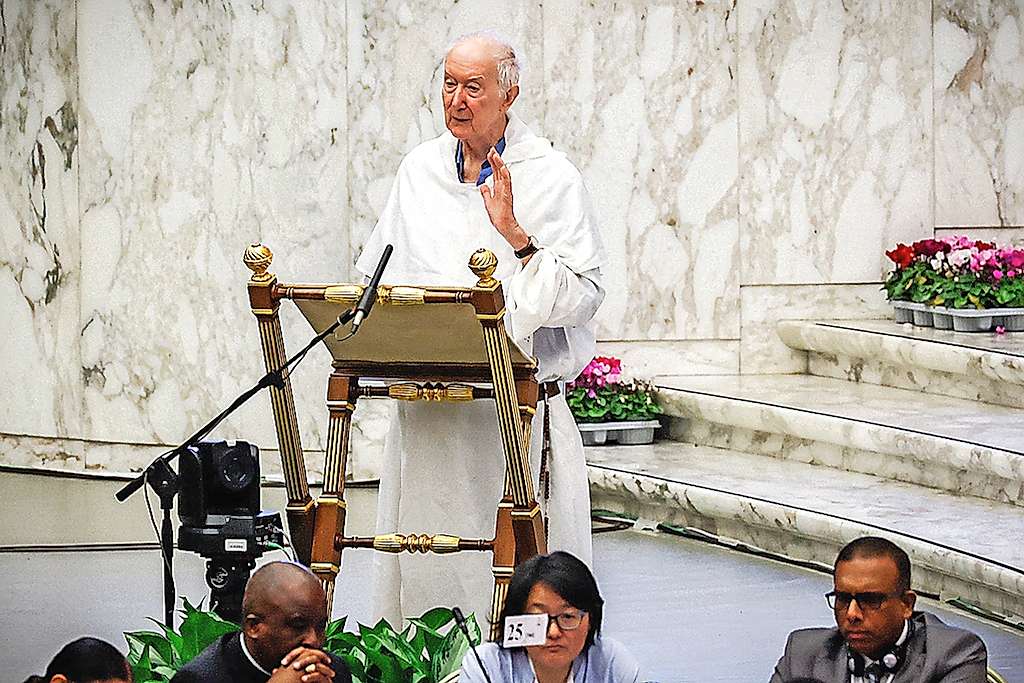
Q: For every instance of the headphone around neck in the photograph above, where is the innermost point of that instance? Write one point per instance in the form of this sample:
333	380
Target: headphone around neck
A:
890	661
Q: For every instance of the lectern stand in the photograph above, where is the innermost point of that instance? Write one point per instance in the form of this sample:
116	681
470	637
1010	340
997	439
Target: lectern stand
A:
420	344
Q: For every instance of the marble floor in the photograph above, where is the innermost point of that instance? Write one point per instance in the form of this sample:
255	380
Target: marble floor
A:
961	420
965	523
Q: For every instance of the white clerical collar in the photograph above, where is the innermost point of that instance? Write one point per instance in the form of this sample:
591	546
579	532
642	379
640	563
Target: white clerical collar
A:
252	660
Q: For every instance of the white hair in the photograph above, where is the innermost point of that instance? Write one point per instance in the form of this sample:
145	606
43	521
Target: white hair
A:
508	65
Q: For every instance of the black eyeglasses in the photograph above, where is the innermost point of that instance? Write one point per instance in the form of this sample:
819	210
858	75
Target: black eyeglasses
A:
568	621
840	600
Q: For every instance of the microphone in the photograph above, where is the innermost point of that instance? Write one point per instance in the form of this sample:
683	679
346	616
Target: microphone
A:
461	622
370	293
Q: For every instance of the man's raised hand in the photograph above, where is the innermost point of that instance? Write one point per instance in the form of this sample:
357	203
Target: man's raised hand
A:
498	203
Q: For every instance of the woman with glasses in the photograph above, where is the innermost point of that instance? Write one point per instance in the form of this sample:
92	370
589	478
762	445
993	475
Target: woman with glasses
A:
560	586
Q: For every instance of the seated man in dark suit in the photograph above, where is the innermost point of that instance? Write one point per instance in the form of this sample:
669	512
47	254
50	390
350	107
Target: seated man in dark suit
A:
879	637
285	614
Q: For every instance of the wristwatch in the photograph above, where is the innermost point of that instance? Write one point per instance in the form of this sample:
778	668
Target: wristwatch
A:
530	249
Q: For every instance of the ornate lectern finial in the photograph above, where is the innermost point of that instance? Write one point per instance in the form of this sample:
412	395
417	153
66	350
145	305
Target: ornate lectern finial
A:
483	263
258	257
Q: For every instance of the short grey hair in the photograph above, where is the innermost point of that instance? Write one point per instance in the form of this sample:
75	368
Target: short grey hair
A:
505	59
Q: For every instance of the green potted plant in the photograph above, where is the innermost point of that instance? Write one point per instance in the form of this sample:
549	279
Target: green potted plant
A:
608	408
429	650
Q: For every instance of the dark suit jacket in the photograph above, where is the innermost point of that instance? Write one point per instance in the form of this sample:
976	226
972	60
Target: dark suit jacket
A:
224	662
936	653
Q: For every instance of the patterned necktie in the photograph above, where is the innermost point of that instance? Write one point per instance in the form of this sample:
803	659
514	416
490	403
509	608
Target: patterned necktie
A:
873	672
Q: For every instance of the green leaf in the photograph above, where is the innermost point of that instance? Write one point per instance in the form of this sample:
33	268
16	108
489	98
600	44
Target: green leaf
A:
453	649
436	618
165	672
199	629
156	644
177	644
428	628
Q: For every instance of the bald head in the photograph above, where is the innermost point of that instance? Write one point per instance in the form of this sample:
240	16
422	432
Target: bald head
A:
276	583
284	606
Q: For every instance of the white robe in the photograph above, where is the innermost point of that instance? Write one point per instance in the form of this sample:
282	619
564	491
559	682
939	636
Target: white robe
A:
443	463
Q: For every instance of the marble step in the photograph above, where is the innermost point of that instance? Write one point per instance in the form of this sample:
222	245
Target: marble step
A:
982	367
956	445
960	546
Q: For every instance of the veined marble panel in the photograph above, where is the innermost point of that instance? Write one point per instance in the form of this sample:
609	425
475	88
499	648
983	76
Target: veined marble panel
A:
643	99
761	349
835	136
647	359
39	227
395	50
204	127
979	112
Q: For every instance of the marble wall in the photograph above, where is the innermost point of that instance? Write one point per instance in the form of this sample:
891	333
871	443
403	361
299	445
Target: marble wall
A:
750	159
979	113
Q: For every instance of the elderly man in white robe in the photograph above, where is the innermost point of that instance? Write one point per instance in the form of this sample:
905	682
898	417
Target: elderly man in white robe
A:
443	463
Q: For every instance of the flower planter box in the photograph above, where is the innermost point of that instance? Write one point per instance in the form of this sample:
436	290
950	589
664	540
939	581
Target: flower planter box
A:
959	319
623	433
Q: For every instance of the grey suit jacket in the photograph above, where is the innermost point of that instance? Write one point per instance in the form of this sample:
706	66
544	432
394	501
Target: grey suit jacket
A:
937	653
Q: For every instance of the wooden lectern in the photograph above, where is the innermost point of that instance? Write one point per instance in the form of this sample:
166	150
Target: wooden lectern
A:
420	344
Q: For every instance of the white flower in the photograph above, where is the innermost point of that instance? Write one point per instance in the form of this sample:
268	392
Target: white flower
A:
959	257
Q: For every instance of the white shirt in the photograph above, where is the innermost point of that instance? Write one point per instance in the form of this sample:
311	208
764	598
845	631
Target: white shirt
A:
868	662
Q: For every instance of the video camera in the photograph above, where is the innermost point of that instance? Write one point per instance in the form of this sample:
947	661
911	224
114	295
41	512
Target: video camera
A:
221	520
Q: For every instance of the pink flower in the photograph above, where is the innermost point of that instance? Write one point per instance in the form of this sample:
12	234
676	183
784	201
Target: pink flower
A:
997	275
1011	273
1000	329
599	372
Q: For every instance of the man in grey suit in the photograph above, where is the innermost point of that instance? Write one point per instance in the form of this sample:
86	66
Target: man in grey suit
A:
879	638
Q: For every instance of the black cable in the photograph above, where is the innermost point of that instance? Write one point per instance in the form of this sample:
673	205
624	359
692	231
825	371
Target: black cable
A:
461	622
152	522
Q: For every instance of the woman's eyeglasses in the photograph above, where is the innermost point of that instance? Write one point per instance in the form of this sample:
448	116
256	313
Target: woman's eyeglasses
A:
568	621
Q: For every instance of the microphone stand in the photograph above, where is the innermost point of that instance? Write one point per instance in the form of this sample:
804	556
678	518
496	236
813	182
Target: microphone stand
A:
165	482
460	620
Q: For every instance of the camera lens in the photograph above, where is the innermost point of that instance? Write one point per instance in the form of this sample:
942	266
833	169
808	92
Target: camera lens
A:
236	469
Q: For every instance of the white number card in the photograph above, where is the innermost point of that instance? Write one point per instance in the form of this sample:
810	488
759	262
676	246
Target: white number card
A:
526	629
